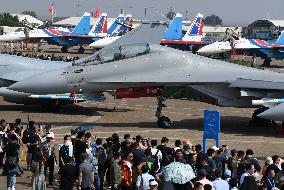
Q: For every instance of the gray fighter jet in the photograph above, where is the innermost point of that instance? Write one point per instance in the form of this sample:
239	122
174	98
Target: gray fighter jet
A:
15	68
136	66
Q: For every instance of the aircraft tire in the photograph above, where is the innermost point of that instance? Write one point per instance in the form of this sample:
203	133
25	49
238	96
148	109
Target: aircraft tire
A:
164	122
81	50
64	49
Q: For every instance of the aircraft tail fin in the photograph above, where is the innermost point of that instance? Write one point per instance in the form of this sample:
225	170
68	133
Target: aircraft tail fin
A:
127	24
101	25
195	30
280	39
83	27
174	30
116	24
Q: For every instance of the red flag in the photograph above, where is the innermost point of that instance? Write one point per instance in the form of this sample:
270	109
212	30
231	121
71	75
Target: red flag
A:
50	9
97	13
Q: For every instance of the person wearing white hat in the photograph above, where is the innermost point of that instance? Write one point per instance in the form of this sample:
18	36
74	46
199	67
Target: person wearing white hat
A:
153	184
49	154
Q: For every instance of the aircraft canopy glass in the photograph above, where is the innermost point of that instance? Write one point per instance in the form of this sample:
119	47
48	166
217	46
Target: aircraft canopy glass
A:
117	53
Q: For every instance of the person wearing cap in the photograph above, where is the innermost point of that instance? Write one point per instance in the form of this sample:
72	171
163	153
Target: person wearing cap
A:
227	175
267	163
49	155
219	183
201	174
153	184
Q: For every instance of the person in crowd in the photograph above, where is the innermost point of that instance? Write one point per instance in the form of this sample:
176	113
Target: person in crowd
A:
233	183
198	186
268	162
179	157
192	159
115	172
126	145
249	157
142	182
177	145
50	159
68	174
167	159
155	150
153	184
219	183
220	159
204	165
249	183
39	182
269	179
127	172
33	141
86	174
276	163
210	158
101	156
249	170
162	147
65	151
138	158
201	174
79	148
227	175
279	175
12	168
2	147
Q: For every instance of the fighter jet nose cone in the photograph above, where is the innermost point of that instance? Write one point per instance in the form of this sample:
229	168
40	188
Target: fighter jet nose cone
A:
45	83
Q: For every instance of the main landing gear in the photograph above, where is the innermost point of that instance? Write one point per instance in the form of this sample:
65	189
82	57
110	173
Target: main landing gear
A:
163	121
64	49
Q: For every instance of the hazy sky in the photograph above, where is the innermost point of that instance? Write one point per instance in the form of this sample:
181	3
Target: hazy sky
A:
231	11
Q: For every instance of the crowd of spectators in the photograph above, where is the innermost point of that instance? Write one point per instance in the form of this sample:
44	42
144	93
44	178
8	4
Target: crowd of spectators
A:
10	49
87	162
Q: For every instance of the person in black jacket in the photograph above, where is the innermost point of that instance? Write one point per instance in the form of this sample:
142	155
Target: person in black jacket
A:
68	175
249	157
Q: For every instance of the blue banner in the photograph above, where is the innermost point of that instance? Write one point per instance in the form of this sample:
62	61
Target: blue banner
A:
211	127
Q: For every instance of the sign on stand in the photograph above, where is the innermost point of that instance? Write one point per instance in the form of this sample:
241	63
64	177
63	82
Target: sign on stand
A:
211	127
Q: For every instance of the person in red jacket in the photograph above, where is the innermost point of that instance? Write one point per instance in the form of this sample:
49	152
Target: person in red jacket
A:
127	172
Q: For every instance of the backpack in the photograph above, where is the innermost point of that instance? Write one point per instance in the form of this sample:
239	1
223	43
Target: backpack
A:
25	138
156	164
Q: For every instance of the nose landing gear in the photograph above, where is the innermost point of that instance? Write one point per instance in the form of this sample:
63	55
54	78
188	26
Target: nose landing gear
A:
163	121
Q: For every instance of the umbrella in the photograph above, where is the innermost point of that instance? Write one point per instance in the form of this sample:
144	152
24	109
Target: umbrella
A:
177	172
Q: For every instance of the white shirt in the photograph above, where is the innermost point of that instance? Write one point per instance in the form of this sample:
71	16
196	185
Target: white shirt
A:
220	184
144	184
154	151
243	177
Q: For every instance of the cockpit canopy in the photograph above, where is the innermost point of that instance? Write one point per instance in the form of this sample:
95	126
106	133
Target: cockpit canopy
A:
116	53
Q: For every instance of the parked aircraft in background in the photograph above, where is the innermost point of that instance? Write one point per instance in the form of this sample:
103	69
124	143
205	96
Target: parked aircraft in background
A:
64	37
266	49
193	39
120	26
